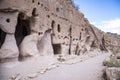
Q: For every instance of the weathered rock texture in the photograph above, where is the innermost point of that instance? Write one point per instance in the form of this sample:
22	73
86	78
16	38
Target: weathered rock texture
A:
44	27
113	73
111	40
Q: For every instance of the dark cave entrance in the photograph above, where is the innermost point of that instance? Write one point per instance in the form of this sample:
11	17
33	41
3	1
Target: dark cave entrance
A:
58	28
57	49
53	27
53	24
2	37
22	29
70	35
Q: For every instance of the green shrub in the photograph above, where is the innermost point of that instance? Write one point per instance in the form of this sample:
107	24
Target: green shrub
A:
111	62
115	51
61	58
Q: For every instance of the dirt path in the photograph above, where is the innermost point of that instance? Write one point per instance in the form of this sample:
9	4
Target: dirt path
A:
88	70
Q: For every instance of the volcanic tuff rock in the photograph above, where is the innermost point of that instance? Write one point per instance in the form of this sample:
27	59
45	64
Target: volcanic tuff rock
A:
37	27
44	28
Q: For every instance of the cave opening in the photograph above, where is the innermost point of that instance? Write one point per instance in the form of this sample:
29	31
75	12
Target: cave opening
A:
58	29
53	24
22	29
80	36
53	27
70	34
57	49
2	37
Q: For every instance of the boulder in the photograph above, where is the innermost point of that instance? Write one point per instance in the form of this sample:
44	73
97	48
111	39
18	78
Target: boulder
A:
113	73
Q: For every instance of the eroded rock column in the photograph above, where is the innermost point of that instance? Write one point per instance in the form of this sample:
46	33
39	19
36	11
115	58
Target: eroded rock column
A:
28	47
45	45
9	50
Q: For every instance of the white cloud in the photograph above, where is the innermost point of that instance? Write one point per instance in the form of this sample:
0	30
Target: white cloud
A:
94	23
109	26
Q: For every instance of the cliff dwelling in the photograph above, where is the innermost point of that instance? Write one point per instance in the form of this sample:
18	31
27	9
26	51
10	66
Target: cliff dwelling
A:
32	29
48	29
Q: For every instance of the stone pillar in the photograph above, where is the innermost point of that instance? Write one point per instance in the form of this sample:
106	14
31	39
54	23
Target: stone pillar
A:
28	47
45	45
9	50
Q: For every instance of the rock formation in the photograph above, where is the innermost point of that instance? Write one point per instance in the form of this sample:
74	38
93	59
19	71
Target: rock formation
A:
43	28
39	28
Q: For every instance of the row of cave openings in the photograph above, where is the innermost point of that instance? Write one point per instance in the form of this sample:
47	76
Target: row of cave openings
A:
23	29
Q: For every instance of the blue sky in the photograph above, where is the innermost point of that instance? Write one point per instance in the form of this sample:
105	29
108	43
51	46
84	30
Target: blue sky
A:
104	14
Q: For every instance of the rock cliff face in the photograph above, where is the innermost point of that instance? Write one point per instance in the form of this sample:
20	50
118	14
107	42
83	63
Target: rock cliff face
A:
29	28
111	40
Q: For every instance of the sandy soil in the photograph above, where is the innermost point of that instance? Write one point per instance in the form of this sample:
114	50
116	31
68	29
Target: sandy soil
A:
87	70
48	68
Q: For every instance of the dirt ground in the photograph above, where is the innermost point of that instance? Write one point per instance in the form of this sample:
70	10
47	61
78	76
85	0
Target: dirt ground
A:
48	68
91	69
